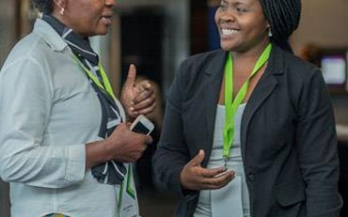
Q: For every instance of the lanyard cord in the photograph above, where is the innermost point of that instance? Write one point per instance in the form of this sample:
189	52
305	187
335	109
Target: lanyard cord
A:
231	105
107	86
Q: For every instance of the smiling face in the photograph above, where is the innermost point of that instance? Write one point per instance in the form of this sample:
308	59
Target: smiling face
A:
242	25
85	17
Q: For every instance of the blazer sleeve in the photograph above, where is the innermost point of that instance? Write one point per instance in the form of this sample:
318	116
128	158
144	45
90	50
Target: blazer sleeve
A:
172	153
317	146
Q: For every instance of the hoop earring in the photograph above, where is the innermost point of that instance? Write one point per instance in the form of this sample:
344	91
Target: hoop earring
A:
270	34
62	10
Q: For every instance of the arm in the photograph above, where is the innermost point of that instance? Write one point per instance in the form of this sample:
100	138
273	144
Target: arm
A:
172	153
122	145
173	160
316	139
26	96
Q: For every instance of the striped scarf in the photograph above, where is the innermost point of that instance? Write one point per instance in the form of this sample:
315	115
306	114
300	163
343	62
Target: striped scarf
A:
111	172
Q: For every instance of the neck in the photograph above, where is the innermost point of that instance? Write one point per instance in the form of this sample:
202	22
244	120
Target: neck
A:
66	24
252	53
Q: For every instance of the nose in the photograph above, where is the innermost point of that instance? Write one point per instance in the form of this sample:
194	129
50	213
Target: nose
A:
110	3
228	16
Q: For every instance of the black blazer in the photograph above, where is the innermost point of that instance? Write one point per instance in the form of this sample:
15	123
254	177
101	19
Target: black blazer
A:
288	136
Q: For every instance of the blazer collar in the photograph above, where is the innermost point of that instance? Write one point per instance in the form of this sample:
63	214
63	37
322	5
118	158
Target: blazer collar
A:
213	75
50	35
266	85
276	61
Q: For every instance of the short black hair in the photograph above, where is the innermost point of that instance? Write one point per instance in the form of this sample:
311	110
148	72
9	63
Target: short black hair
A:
44	6
284	17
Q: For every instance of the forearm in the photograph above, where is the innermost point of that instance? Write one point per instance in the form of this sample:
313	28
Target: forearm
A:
96	153
48	167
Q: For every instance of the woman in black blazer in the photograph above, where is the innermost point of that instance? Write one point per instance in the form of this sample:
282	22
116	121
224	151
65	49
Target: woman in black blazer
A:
249	129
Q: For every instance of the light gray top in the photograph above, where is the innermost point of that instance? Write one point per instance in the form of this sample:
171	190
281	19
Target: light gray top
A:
216	160
48	112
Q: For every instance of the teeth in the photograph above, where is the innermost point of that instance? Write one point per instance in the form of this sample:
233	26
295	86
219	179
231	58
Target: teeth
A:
228	31
106	20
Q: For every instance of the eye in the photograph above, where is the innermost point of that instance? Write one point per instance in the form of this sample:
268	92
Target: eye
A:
241	9
222	6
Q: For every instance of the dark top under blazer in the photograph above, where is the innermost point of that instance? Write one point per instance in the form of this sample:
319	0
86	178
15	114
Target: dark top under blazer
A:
288	136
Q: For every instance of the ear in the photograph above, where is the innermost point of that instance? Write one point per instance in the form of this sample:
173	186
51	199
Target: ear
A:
59	4
268	25
59	7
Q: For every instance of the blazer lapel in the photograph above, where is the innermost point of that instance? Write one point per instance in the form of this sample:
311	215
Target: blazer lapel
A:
263	89
212	78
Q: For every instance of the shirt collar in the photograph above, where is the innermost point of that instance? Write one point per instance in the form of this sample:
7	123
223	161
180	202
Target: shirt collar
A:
79	45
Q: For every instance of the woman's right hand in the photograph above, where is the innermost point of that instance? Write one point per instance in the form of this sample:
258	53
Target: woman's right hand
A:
122	145
125	145
195	177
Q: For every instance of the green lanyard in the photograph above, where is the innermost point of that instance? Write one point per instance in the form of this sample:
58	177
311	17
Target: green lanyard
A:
107	86
231	106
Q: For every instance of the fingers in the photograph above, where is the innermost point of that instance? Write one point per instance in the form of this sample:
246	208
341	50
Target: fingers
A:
198	159
133	113
217	181
146	108
134	156
143	100
137	98
149	140
211	173
144	85
131	76
195	177
125	145
143	95
144	140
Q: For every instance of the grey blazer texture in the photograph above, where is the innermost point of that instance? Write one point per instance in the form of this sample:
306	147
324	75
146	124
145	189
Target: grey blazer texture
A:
288	136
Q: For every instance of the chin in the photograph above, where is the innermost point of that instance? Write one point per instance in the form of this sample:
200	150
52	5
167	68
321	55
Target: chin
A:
226	47
102	32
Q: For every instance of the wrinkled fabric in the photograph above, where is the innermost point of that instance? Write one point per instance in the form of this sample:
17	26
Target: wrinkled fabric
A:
111	172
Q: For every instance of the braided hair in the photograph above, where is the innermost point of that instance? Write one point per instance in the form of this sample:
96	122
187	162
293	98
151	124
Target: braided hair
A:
44	6
283	17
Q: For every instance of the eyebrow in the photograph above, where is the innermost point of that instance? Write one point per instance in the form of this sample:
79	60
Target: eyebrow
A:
237	2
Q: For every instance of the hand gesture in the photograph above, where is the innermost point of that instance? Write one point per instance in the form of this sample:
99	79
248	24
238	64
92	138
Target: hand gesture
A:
195	177
137	98
125	145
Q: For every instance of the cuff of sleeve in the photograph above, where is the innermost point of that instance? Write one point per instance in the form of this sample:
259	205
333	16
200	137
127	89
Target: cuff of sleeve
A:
76	164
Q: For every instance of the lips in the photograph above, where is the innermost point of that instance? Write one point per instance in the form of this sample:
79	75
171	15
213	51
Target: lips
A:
106	19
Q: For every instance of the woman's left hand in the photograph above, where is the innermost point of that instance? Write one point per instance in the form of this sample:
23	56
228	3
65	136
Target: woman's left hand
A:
137	98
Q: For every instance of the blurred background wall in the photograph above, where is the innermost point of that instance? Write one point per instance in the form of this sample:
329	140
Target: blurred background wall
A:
324	23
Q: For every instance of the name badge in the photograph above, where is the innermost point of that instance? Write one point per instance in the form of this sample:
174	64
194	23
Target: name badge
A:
127	196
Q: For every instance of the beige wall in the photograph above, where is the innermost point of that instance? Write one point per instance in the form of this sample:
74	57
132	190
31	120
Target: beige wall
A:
324	22
7	28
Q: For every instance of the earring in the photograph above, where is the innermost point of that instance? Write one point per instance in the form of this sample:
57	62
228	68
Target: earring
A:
270	34
62	10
